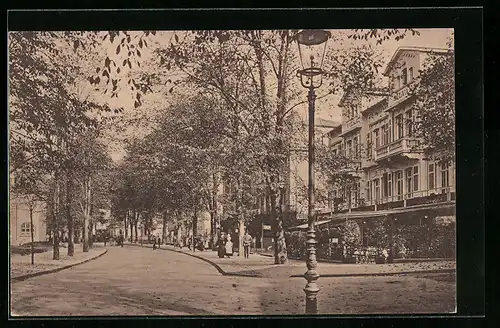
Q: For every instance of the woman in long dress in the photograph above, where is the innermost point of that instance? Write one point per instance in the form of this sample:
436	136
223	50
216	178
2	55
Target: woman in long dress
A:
229	246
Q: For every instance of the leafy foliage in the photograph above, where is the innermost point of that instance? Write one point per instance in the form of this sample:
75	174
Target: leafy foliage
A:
435	106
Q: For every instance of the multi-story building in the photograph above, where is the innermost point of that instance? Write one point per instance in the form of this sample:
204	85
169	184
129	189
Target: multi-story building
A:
19	217
395	175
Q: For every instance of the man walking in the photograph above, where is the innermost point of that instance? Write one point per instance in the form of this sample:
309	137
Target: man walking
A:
247	242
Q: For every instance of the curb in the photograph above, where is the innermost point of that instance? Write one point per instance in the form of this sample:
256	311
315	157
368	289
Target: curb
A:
40	273
249	275
215	265
379	274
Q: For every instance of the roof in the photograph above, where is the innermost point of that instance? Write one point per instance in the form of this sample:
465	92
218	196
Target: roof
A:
398	52
374	104
321	122
335	129
347	92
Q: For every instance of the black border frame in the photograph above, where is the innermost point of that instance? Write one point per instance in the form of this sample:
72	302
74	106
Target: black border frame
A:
468	25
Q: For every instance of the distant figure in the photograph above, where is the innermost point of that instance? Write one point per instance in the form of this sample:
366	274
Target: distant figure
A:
154	243
247	242
221	250
159	241
229	246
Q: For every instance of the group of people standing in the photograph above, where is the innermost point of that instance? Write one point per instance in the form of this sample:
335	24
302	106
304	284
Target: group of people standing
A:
225	246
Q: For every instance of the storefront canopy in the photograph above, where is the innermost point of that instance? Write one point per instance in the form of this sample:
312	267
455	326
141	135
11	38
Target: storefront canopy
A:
439	208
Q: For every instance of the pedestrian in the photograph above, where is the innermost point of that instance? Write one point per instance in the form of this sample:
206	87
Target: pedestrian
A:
229	246
159	242
221	247
154	242
247	242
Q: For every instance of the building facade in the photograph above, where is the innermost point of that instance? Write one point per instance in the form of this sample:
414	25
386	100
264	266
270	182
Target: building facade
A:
19	219
395	177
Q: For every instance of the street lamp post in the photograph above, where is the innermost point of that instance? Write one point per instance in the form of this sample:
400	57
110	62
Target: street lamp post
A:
312	47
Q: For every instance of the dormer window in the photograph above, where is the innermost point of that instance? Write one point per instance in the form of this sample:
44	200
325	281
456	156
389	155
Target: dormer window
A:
405	76
396	83
410	70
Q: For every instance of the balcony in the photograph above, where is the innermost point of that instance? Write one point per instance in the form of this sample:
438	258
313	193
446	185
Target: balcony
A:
415	198
400	95
400	146
351	124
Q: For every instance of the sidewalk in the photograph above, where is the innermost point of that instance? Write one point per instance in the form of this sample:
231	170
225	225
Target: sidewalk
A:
264	267
21	268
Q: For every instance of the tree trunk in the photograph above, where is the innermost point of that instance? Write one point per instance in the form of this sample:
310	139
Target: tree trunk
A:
164	228
69	217
135	227
213	231
241	233
32	236
195	229
55	219
280	253
125	224
86	214
91	232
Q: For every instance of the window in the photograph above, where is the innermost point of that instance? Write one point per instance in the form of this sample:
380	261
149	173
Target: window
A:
431	180
356	147
409	178
368	146
410	70
385	134
377	138
385	185
405	76
411	174
357	187
445	177
415	178
377	189
26	228
349	148
409	123
399	127
368	191
396	83
389	184
399	184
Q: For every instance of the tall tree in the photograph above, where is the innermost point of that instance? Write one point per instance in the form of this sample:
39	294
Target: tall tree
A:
434	106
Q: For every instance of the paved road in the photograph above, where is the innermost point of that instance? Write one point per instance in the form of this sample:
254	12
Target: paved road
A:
139	281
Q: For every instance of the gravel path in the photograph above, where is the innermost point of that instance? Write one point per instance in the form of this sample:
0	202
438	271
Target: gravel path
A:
140	281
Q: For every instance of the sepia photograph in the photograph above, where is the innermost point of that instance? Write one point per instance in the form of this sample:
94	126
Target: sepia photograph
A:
232	172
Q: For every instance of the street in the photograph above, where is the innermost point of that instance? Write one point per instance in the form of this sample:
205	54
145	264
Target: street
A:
138	281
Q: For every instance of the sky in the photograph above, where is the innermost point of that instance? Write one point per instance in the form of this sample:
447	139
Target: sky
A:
326	108
430	38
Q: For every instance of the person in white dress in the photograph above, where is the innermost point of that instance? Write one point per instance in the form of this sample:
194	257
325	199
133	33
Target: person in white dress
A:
229	246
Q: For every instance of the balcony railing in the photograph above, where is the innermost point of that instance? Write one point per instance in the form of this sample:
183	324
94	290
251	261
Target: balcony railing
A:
351	123
428	196
401	145
421	197
400	95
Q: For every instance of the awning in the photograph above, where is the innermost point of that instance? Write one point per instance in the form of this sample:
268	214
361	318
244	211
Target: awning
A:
377	214
305	225
382	213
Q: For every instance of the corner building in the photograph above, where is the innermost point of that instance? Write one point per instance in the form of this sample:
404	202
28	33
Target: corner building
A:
396	179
